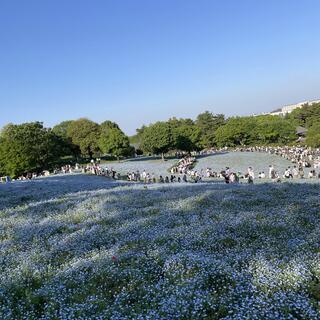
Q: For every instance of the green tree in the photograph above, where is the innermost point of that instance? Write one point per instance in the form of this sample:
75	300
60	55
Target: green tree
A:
240	131
185	135
115	142
85	134
107	125
306	116
105	129
28	147
273	130
208	123
61	130
237	131
157	139
136	139
313	136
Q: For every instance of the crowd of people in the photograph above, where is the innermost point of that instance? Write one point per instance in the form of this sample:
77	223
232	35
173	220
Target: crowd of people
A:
97	169
184	165
229	176
151	178
179	173
33	175
301	156
94	167
63	170
305	162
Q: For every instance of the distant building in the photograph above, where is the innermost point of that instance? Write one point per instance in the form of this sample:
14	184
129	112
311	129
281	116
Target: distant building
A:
277	112
289	108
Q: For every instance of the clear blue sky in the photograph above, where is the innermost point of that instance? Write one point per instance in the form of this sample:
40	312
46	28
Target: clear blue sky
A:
138	61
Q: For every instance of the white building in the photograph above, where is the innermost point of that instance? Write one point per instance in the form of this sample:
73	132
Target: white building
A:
289	108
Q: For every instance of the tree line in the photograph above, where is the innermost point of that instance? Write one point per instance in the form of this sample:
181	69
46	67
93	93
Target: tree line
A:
308	117
32	147
210	130
214	130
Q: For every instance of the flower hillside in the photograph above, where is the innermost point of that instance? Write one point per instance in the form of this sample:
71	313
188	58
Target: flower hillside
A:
189	251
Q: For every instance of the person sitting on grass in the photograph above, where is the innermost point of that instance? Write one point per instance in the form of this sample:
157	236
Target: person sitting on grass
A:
251	173
153	178
295	172
233	178
287	174
312	174
271	172
144	176
224	175
250	179
301	172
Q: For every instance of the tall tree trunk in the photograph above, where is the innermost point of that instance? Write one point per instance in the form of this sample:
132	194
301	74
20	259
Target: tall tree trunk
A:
162	156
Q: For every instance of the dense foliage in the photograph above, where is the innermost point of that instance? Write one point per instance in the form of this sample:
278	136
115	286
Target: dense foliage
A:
115	142
85	133
85	138
208	123
213	130
157	138
313	137
61	130
309	117
255	130
28	147
179	134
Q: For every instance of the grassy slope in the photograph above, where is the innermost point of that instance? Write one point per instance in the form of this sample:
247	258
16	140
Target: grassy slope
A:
194	251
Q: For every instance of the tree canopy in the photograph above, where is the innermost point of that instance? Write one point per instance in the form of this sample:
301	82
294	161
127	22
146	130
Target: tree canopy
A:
306	116
113	141
61	130
28	147
313	135
31	147
186	136
208	123
85	134
237	131
261	130
157	138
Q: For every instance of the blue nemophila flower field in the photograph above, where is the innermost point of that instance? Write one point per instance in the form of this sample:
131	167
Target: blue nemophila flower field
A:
152	165
82	247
